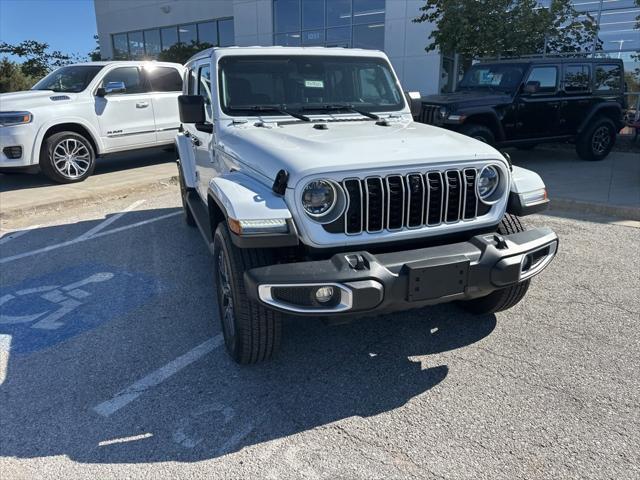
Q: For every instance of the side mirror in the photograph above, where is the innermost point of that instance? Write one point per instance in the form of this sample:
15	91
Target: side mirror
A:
414	99
111	87
191	109
531	87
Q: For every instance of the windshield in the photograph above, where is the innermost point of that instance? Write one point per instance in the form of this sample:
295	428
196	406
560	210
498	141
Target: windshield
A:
502	77
69	79
315	84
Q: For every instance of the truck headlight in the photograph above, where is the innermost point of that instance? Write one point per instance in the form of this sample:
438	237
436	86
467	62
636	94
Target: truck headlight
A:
15	118
488	181
319	197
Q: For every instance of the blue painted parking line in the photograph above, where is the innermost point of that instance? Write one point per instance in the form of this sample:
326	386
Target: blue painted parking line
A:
42	312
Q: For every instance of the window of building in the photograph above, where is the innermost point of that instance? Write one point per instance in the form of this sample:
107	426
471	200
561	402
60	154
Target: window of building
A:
576	78
152	43
547	77
130	76
330	23
169	37
188	33
208	33
120	47
136	45
226	34
607	77
164	79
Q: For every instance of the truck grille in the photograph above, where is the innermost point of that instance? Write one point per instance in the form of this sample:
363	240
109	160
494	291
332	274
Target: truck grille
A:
430	114
415	200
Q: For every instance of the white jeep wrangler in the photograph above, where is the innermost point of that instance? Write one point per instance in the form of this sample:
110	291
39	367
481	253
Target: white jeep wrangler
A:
79	112
318	195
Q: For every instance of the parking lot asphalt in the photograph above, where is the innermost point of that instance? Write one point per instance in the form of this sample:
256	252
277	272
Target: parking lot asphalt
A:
112	366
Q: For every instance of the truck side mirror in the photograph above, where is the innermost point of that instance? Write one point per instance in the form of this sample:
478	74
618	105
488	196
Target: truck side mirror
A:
111	87
191	109
531	87
414	99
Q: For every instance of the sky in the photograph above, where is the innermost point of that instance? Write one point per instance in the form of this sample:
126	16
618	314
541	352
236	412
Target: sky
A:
66	25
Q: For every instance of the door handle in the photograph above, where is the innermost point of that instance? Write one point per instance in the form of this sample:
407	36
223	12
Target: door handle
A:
142	104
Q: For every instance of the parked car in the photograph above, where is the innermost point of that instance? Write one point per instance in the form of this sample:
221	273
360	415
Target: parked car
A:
80	112
523	103
319	196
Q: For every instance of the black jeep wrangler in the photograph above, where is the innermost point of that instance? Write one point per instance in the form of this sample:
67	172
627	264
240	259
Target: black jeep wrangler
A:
522	103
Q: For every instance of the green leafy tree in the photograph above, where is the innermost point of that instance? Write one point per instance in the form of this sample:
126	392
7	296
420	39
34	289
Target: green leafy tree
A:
37	59
95	54
12	79
181	52
491	28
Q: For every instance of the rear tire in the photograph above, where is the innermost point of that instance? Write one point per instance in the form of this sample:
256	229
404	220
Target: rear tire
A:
479	132
597	140
67	157
505	298
251	332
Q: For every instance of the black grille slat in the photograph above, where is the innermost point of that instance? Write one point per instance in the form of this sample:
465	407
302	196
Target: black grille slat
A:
353	215
470	198
395	202
375	204
453	195
436	189
415	196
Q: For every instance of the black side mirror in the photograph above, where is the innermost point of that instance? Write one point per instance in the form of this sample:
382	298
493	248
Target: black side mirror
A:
191	109
531	87
414	99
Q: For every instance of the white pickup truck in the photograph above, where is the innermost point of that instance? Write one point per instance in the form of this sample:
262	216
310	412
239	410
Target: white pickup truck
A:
80	112
319	195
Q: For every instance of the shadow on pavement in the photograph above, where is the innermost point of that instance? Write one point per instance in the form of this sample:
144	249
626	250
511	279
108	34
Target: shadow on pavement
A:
112	163
214	407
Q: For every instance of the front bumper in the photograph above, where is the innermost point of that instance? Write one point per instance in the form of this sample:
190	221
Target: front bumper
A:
403	280
17	136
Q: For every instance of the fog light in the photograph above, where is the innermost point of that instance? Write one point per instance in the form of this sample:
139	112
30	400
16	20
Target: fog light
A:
324	294
12	152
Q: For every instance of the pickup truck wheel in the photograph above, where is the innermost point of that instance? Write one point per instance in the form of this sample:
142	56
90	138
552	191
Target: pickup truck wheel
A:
67	157
597	140
479	132
188	215
505	298
251	332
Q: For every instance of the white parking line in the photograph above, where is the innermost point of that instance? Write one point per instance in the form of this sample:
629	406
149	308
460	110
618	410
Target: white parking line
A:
129	394
5	346
109	221
80	239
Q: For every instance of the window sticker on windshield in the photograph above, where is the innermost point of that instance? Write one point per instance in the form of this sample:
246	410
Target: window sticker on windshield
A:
488	77
314	84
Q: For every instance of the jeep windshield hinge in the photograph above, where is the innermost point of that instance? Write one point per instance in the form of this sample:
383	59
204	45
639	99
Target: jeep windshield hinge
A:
280	183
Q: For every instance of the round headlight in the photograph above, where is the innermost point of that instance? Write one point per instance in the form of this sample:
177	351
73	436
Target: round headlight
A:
319	197
488	181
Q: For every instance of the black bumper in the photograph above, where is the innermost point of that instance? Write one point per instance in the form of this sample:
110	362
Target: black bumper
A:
406	279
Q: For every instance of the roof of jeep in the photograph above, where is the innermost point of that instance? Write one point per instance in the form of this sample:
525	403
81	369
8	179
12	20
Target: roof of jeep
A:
277	50
547	60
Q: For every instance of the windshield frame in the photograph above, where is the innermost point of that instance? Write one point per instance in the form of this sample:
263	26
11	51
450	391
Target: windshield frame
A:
299	107
89	78
493	88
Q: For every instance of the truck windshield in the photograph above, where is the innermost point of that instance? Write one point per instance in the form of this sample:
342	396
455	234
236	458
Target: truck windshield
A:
70	79
313	84
500	77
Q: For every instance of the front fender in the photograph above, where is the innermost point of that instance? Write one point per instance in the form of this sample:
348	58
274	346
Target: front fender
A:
187	159
611	108
66	119
528	193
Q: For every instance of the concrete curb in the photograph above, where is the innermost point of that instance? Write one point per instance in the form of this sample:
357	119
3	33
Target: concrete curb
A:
620	211
91	197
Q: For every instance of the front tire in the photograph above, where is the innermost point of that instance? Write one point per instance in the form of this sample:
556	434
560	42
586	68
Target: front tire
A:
479	132
505	298
251	332
67	157
597	140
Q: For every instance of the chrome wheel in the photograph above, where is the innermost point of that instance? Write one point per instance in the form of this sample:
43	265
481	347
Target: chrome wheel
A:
71	158
225	298
601	140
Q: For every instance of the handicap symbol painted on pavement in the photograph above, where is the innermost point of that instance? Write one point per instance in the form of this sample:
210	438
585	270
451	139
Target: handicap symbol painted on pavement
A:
42	312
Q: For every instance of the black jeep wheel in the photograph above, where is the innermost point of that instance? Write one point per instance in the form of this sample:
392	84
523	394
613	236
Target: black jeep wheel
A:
67	157
251	332
504	298
188	215
597	140
479	132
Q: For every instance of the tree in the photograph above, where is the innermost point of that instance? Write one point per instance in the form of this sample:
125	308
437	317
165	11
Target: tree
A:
38	60
12	79
95	56
181	52
492	28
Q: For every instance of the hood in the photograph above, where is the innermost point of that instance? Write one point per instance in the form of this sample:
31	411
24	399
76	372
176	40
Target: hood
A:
468	99
348	146
32	98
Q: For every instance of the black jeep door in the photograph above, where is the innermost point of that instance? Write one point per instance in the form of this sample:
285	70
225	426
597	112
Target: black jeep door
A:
576	97
538	103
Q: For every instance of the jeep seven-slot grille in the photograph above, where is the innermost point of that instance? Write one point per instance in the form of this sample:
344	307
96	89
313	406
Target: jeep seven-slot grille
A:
429	114
410	201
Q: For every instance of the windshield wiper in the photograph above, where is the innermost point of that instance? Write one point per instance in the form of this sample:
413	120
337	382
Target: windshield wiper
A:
279	109
339	106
